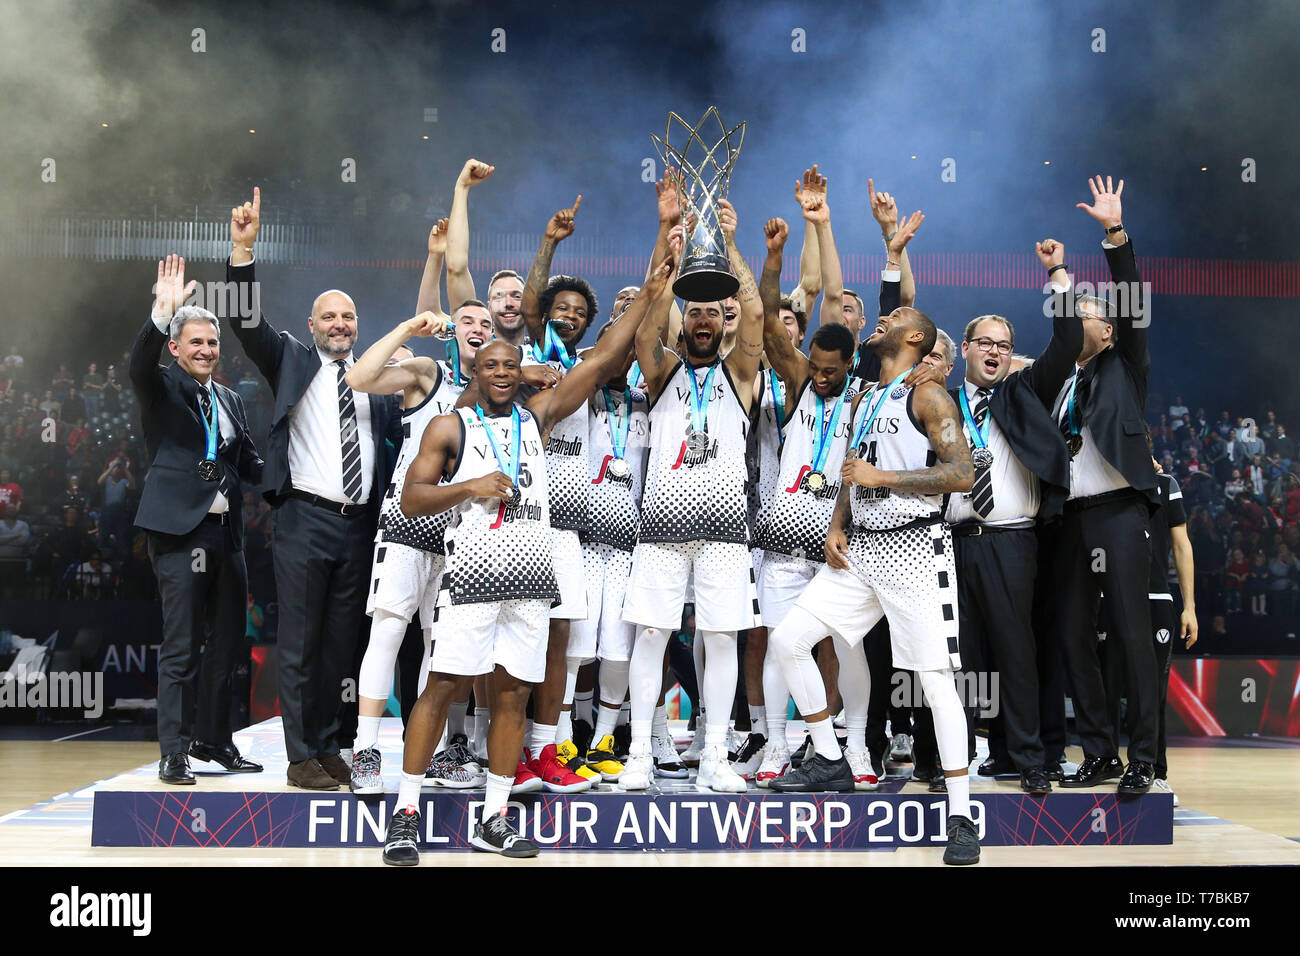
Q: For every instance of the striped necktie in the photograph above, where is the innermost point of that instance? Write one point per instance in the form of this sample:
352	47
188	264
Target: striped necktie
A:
982	493
348	436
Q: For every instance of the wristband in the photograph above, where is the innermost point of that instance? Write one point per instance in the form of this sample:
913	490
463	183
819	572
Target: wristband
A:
1056	267
1114	229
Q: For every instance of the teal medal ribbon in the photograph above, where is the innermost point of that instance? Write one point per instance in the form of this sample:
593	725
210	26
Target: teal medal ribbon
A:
823	432
866	424
509	466
981	456
207	468
778	403
554	349
618	431
697	434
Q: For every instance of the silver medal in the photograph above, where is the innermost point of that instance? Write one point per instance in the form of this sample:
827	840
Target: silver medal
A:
981	457
619	468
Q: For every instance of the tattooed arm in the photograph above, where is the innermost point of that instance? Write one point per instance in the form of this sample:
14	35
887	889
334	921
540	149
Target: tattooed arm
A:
743	360
558	229
937	413
789	362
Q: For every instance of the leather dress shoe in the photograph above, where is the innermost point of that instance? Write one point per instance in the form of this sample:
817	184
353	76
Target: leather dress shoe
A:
922	773
1034	781
1094	771
310	775
1054	772
995	766
227	755
175	768
1137	778
336	767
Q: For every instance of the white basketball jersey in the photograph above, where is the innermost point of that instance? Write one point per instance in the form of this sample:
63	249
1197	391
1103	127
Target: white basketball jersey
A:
796	518
696	496
424	531
616	499
896	442
567	471
495	551
767	437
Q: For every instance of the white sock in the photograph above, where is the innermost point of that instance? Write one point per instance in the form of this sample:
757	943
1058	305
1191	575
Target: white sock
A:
715	735
645	680
564	729
757	720
481	718
582	709
456	717
606	721
719	687
659	727
367	733
823	738
542	736
498	794
959	796
625	711
408	791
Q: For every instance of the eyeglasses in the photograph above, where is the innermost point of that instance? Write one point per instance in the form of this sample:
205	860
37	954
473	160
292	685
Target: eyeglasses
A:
987	345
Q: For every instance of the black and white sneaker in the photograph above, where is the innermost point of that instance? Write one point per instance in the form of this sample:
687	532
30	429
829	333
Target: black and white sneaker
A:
622	742
400	848
496	835
667	762
366	776
817	775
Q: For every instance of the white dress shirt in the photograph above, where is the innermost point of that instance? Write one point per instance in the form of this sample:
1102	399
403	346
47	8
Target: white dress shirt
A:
1090	472
315	438
1016	495
226	427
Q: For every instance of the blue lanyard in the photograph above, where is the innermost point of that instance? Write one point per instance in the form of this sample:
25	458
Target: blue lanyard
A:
778	403
453	353
634	373
824	430
700	397
979	438
618	433
1072	421
511	466
554	349
884	394
211	427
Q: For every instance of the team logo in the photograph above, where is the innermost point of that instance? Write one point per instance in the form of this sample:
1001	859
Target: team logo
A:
898	392
524	415
1162	635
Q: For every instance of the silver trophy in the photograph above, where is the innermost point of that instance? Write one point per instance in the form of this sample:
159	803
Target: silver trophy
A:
704	176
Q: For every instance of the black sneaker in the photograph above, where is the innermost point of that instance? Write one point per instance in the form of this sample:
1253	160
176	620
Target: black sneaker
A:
582	734
400	847
496	835
938	782
803	753
963	842
817	775
622	742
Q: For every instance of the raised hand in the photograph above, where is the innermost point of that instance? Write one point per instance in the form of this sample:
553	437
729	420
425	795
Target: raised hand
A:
727	219
775	231
670	210
883	208
425	324
438	238
811	194
676	240
473	173
654	285
246	220
561	224
171	291
1050	253
1105	206
906	230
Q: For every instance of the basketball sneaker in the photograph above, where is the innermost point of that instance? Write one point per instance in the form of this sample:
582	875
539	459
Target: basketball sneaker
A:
1161	785
638	772
716	773
400	847
667	761
749	756
817	775
365	772
776	761
567	754
600	758
804	751
691	755
963	842
497	835
900	748
864	774
445	771
525	780
458	750
556	777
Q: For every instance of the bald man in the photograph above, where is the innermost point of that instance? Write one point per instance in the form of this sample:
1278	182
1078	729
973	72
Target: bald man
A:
324	476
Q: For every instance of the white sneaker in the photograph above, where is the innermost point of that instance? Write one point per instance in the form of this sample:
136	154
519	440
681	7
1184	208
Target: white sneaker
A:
864	775
900	748
668	763
691	755
839	721
776	761
716	773
639	771
1162	786
749	756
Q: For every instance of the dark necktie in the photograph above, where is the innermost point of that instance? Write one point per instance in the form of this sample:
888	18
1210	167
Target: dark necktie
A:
348	436
205	400
982	493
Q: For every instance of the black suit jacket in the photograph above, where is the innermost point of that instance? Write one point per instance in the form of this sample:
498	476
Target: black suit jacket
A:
1113	385
174	498
1022	407
289	367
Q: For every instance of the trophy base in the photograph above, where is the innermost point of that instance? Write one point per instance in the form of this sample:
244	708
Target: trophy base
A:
706	284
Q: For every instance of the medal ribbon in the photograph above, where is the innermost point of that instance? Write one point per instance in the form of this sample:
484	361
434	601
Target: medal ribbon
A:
700	397
453	354
824	429
211	427
634	373
1071	415
980	439
778	403
554	350
509	466
884	394
618	433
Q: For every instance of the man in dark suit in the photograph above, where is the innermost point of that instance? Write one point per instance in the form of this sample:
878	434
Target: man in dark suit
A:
196	433
1103	544
1021	476
325	479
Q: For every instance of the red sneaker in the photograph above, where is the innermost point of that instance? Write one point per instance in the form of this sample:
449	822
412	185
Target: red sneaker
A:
525	780
556	777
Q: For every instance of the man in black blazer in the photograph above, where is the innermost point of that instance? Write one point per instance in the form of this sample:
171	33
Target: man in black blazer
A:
1021	477
200	452
1103	543
325	478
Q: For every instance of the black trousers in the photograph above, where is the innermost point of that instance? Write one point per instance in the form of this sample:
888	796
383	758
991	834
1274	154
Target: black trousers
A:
203	585
1105	548
322	571
1164	631
996	574
1050	656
